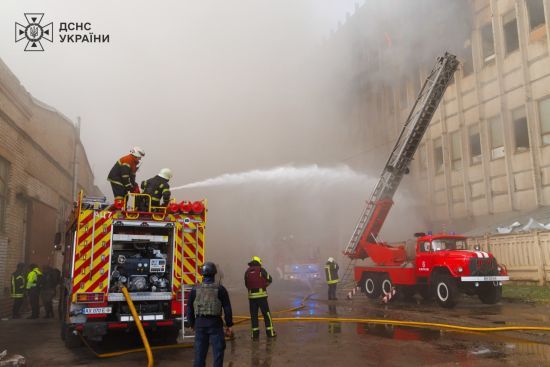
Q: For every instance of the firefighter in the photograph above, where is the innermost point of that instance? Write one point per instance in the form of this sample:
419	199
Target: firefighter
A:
204	313
158	188
331	273
51	278
34	280
257	279
18	289
123	174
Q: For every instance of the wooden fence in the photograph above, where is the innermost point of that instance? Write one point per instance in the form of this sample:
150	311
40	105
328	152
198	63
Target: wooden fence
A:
526	255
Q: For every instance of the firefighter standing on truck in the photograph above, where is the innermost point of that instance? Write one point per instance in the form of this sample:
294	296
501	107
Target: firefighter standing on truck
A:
18	289
257	279
204	311
123	174
158	188
331	274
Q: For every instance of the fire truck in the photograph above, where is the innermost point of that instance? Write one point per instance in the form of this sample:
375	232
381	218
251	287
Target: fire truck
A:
437	265
153	252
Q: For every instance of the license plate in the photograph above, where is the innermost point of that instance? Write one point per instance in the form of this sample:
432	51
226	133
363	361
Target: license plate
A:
97	310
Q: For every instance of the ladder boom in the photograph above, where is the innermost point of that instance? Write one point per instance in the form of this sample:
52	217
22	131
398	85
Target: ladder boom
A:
373	216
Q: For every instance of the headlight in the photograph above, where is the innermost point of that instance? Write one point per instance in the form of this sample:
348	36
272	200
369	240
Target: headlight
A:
460	270
499	269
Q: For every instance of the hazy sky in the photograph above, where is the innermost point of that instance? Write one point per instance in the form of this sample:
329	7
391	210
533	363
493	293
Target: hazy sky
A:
205	87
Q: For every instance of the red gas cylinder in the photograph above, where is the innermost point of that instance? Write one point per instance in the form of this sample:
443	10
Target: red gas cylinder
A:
197	207
173	207
185	206
118	204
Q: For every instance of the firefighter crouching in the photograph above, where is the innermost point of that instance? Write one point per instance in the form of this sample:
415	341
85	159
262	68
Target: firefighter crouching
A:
33	289
158	188
18	289
204	312
123	174
257	279
331	274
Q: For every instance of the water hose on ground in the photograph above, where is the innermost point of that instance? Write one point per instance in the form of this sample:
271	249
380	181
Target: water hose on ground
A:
139	326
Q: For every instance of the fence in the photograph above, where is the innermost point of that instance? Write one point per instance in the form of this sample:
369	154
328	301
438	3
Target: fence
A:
526	255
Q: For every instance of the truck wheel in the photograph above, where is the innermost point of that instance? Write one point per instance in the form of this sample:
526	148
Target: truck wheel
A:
71	340
371	285
489	293
445	290
386	285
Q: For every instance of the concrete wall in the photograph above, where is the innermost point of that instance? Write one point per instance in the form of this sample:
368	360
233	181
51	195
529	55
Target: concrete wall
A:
38	143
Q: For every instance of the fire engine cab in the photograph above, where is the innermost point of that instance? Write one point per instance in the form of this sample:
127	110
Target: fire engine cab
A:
154	253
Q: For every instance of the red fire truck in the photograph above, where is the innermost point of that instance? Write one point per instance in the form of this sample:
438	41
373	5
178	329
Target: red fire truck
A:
440	265
154	253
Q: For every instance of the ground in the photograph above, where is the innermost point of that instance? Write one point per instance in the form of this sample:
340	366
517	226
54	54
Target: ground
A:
330	343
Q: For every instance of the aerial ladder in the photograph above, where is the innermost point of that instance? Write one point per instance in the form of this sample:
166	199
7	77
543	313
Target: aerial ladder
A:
367	229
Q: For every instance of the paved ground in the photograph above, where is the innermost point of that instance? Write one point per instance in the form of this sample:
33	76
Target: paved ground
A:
336	343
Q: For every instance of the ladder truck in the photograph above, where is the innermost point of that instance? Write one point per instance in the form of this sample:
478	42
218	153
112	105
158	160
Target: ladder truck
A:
440	266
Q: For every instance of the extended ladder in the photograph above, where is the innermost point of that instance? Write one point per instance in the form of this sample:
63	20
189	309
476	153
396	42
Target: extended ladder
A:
397	165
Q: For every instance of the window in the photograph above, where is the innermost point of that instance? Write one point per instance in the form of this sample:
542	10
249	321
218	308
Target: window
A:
438	156
496	138
544	115
510	32
521	130
487	43
475	145
456	151
467	60
535	10
4	171
422	158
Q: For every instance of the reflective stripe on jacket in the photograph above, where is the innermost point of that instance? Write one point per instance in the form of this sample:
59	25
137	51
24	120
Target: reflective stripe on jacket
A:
331	272
17	285
32	278
158	188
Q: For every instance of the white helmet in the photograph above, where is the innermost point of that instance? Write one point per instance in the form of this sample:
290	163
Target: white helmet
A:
137	152
330	260
166	173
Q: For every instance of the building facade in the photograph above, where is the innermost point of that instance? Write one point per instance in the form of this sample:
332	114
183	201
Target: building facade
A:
37	151
487	150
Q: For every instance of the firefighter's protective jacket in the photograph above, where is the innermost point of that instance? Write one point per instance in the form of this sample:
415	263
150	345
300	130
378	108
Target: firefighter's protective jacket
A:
33	278
256	280
331	272
17	285
158	188
124	172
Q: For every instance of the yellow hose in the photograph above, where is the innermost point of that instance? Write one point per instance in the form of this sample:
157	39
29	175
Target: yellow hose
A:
139	326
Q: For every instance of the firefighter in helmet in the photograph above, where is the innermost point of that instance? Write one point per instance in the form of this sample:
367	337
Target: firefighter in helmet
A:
18	289
204	312
331	274
257	279
123	174
158	188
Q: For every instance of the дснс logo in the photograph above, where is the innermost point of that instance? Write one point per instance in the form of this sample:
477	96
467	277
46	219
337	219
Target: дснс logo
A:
34	32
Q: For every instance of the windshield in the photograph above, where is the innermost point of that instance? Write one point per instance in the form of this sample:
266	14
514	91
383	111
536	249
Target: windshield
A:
448	244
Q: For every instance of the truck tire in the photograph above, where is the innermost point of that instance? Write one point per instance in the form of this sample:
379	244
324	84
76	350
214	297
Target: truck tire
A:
445	290
371	285
489	293
386	284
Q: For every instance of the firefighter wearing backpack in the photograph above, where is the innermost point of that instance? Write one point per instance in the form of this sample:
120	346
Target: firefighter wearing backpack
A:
34	280
331	274
204	314
123	174
257	279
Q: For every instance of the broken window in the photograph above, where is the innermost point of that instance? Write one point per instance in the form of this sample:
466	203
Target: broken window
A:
487	43
510	32
496	137
544	114
456	151
4	171
521	130
475	144
535	10
438	156
422	158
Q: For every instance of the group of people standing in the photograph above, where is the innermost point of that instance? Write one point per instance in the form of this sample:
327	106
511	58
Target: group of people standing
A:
123	181
32	283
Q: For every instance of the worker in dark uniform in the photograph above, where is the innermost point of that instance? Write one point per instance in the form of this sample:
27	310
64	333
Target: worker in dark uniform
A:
123	174
158	188
33	289
204	314
51	278
257	279
331	274
18	289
